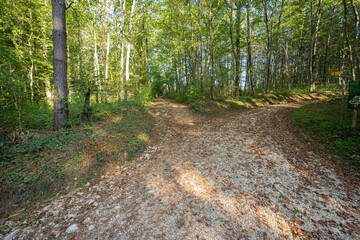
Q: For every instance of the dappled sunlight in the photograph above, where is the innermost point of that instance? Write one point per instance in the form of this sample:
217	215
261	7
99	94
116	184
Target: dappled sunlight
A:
240	209
274	221
194	183
163	188
289	105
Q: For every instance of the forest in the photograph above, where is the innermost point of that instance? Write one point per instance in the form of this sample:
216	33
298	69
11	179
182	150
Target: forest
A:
210	119
139	49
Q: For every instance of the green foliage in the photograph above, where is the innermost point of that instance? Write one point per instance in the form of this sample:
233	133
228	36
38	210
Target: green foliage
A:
197	105
143	95
36	116
157	88
46	162
332	87
321	122
189	95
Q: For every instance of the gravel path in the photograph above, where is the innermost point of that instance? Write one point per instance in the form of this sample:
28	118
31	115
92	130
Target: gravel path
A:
241	176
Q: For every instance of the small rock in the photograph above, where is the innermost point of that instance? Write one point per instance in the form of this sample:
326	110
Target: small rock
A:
87	220
72	228
91	227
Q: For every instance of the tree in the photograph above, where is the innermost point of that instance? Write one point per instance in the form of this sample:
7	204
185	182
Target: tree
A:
61	112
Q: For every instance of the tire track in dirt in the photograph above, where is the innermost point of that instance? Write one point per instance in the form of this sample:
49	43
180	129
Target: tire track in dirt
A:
240	176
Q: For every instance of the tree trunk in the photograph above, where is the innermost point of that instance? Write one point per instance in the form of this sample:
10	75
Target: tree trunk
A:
349	44
313	42
325	75
268	48
147	60
61	113
128	50
249	58
356	40
237	53
107	67
87	103
31	70
97	72
122	17
277	47
200	49
212	83
48	92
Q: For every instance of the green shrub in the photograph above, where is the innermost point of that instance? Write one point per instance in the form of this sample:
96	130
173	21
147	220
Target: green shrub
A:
189	95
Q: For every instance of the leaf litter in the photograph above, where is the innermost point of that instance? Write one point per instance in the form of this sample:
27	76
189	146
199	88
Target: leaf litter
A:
245	175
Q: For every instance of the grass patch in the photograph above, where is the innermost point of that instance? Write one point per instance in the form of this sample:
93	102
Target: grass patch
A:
43	162
218	107
321	122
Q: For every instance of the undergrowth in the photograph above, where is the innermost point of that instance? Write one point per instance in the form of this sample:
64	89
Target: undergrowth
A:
43	162
321	122
216	107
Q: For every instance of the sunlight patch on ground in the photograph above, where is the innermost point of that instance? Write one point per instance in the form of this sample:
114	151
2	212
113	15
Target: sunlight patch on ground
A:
194	183
277	223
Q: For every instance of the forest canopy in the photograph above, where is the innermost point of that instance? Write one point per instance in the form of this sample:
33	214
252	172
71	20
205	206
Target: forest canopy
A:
138	49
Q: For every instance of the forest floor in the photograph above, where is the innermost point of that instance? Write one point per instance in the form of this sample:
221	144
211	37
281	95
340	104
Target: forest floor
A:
243	175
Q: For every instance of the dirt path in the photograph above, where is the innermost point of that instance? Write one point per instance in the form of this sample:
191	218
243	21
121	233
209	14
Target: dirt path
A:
242	176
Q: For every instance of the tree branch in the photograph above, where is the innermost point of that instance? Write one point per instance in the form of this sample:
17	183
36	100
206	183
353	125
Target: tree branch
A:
69	6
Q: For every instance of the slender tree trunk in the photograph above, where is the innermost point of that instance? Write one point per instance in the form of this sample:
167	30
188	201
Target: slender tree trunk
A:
325	75
313	42
233	52
207	49
237	52
249	57
31	70
97	72
212	83
352	64
191	53
277	47
148	81
128	50
122	17
61	113
268	48
107	67
87	103
356	40
200	49
286	74
298	71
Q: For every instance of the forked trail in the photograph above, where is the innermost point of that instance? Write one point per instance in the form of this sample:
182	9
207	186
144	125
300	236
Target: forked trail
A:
241	176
